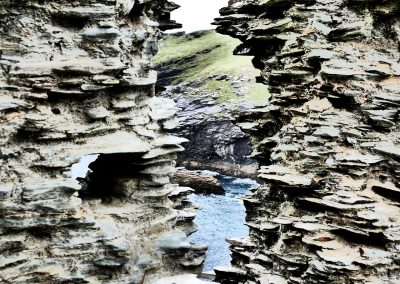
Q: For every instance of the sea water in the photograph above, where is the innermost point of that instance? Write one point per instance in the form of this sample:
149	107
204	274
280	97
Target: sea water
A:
221	217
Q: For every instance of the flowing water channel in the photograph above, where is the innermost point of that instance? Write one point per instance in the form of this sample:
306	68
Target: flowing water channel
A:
221	217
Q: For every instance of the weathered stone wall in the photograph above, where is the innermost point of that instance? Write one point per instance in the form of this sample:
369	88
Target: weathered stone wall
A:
328	143
217	146
75	81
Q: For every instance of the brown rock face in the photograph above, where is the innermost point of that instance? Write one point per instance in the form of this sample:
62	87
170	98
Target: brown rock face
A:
328	143
200	182
75	81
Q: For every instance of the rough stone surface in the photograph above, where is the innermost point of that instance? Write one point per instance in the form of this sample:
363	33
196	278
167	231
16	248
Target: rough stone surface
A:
201	183
75	81
328	142
215	142
210	87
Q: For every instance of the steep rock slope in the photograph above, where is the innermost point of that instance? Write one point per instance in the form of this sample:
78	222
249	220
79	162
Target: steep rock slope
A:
210	86
75	81
328	144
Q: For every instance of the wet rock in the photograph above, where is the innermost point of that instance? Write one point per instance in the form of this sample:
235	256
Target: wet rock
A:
200	182
232	273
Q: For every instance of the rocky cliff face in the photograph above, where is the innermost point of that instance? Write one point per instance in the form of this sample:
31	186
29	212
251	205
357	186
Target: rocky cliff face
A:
215	142
218	146
328	143
75	81
210	87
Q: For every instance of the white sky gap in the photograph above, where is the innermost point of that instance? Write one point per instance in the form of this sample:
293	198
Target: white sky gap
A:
197	15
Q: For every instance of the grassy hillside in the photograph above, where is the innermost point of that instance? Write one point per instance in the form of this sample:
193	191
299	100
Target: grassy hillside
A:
199	57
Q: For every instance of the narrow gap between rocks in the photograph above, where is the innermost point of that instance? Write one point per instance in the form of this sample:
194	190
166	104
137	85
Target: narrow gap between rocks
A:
211	88
220	218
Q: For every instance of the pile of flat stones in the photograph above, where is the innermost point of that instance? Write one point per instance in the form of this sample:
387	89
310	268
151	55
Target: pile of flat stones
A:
328	142
75	81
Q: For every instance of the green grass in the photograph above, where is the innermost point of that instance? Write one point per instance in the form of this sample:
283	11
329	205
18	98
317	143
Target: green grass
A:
219	60
207	55
223	88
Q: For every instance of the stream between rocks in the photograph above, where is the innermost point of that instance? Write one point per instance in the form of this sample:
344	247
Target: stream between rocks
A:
221	217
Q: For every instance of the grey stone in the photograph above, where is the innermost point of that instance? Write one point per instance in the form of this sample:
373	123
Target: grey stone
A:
328	132
173	241
97	113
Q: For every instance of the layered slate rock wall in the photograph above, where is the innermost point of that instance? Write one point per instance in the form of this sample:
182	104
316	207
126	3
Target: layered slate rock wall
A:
75	81
329	142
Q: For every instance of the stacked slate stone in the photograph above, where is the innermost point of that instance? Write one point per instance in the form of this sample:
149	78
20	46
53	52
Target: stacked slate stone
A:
329	142
75	81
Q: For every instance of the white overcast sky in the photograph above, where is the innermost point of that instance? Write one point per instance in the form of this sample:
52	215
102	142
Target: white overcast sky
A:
197	15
